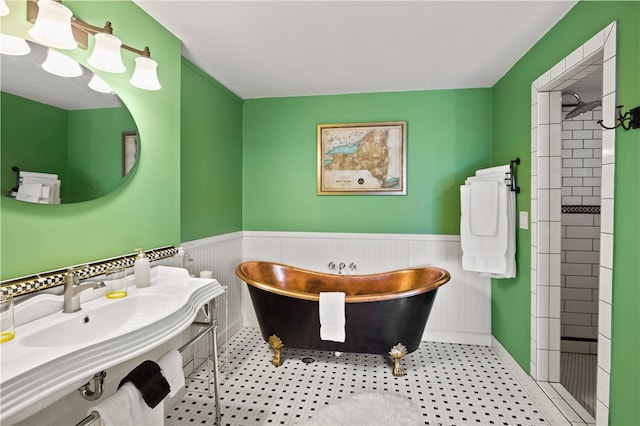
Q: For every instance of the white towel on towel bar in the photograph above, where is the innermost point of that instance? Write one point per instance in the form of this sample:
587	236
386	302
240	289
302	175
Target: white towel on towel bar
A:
127	408
485	253
171	366
332	316
483	207
499	171
38	175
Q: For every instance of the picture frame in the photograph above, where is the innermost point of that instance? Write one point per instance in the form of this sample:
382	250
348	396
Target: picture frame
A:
362	158
129	151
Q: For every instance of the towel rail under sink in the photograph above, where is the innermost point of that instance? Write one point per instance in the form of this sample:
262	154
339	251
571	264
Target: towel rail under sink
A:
211	328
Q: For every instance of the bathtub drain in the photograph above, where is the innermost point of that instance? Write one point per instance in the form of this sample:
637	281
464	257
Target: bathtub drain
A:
308	360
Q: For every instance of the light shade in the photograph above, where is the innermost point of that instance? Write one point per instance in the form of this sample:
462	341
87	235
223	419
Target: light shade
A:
99	85
145	75
14	46
106	54
62	65
53	26
4	9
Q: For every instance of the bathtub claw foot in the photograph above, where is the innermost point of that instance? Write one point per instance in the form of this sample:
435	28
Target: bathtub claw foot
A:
397	352
276	344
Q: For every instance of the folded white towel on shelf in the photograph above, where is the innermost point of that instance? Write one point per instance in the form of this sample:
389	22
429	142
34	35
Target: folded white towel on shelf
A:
171	366
487	224
126	407
332	316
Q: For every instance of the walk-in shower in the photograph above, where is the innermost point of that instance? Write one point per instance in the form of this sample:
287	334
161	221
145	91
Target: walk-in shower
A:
581	171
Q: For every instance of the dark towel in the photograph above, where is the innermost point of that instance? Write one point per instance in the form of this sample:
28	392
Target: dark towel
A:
149	380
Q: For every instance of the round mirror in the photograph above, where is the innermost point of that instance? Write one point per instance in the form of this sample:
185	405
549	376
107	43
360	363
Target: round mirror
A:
64	139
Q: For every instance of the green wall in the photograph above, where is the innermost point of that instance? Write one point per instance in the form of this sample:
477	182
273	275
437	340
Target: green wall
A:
145	212
95	152
511	136
448	137
30	127
210	157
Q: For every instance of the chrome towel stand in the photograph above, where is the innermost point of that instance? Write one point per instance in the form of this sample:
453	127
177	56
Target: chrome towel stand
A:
211	328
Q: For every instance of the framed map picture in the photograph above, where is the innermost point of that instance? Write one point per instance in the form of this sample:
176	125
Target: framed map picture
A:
362	158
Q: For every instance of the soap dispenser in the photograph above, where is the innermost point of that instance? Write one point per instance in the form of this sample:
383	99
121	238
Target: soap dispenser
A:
141	270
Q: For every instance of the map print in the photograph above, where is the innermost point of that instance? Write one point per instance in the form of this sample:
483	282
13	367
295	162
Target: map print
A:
366	159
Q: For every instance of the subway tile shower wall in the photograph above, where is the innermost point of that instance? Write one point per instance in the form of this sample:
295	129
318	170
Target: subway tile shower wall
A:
581	172
581	159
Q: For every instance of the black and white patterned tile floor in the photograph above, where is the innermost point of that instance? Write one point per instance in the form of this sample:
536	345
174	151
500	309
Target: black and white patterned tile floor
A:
452	384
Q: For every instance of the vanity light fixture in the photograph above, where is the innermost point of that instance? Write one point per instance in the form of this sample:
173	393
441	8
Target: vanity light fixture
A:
629	120
4	9
53	26
62	65
145	75
14	46
106	55
99	85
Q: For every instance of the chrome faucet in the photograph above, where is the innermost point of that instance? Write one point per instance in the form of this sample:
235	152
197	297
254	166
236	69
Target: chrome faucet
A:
72	289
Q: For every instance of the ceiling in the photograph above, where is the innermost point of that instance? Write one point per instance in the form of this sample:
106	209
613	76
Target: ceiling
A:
293	48
23	76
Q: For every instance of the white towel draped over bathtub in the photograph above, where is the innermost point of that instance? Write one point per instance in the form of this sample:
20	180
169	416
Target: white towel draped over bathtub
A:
487	224
332	317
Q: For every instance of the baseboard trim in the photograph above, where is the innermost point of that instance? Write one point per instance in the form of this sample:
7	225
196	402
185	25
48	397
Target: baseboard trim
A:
461	337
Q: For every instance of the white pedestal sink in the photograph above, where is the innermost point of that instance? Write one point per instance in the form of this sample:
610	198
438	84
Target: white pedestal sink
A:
54	353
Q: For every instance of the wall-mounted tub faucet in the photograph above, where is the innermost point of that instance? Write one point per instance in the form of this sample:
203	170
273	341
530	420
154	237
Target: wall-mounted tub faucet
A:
72	289
341	266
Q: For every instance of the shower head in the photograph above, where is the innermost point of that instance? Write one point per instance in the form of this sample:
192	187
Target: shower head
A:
581	107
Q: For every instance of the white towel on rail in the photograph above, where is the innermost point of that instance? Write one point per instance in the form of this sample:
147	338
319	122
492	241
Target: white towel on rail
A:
498	171
127	408
483	207
171	366
488	255
38	175
332	316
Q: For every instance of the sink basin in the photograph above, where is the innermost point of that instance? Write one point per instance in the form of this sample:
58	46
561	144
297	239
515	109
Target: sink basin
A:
54	353
114	318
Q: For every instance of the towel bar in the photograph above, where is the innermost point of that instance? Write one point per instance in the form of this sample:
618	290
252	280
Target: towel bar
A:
211	327
511	178
14	190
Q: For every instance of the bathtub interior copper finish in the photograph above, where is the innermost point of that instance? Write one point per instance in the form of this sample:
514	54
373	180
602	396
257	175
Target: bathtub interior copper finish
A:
381	310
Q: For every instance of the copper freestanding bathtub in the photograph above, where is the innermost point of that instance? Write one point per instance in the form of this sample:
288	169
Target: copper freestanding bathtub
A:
381	310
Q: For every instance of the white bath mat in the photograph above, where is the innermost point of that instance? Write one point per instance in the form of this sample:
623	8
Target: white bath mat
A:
370	409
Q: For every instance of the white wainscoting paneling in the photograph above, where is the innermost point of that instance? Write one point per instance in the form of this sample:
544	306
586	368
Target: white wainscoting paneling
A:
221	255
